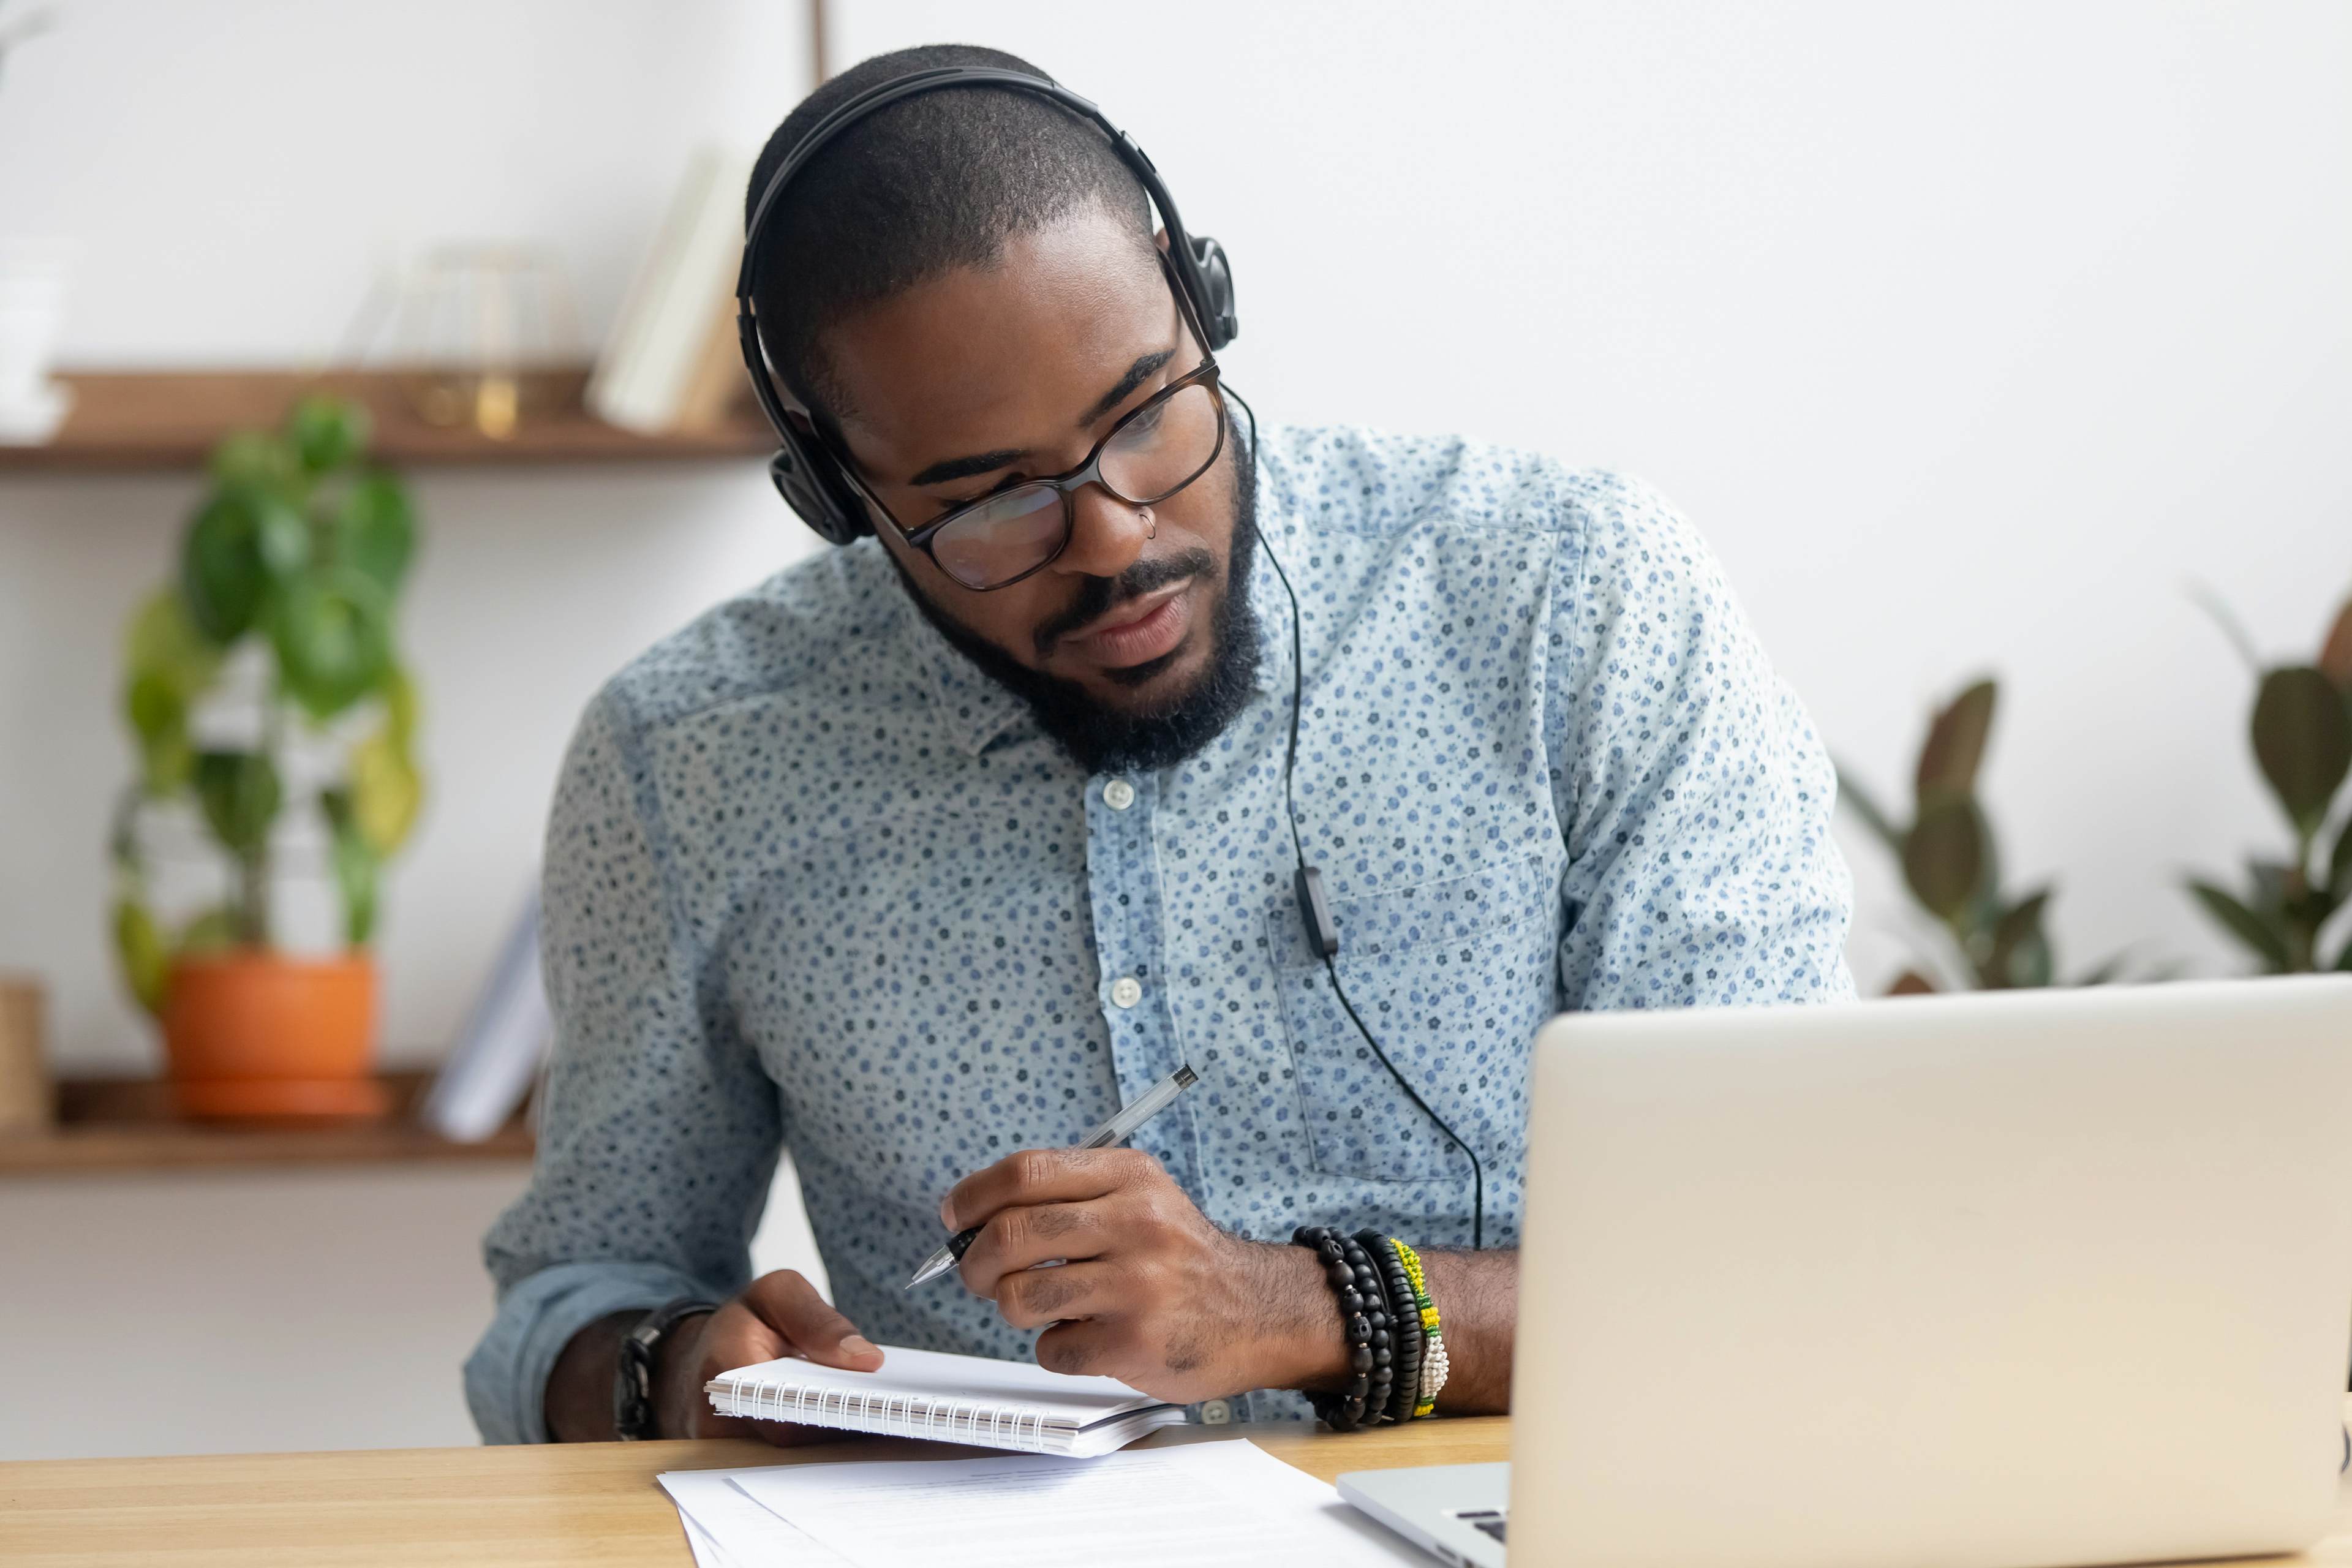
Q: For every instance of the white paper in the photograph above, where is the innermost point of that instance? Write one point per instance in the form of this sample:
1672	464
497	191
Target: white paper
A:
1226	1502
725	1529
707	1553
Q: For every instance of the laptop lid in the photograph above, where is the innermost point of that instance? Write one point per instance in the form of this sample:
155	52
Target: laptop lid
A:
1978	1281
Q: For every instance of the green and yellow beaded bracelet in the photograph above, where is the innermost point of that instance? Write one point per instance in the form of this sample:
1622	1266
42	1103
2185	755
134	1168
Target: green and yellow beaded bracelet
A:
1433	1359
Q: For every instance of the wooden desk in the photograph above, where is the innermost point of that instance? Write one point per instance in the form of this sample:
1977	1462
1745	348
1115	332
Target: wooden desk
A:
592	1503
499	1508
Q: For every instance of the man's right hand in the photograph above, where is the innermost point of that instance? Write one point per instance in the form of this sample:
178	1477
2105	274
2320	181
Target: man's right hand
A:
781	1314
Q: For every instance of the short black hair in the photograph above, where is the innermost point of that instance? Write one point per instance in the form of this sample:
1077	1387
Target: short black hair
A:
931	182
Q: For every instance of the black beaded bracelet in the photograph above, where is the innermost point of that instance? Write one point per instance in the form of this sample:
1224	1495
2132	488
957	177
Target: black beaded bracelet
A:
1363	1313
1341	1411
1404	1320
1380	1381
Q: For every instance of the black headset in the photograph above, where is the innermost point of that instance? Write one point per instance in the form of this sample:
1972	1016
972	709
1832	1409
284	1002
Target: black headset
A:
809	475
805	469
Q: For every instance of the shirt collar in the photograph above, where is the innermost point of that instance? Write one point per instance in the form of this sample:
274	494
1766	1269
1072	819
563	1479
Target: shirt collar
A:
971	707
1272	609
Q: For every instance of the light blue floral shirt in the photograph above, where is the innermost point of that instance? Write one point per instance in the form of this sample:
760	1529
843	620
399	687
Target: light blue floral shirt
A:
815	882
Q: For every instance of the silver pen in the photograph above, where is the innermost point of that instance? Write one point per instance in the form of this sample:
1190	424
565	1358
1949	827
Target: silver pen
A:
1129	1121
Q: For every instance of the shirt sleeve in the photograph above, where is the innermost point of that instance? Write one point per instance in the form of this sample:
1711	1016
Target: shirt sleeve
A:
1695	796
659	1131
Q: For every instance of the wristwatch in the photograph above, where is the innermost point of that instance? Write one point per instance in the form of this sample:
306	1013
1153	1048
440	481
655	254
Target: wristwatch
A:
632	1374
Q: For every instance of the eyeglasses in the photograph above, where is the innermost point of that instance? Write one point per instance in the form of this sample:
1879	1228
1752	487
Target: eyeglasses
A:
1149	456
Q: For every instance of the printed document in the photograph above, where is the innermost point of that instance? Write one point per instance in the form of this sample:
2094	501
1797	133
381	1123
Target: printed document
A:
1225	1501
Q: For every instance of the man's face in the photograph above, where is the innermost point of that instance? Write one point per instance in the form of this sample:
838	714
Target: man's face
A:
978	379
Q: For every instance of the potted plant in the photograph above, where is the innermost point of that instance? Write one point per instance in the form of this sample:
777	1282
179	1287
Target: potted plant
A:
270	708
1990	940
2302	734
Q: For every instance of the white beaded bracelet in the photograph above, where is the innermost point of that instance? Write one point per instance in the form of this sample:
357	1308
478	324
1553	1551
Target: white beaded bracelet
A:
1433	1368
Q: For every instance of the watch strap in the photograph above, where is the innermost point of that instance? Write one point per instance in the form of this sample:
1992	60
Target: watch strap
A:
633	1374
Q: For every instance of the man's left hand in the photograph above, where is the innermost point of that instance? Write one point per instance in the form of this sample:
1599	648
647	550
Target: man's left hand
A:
1148	1291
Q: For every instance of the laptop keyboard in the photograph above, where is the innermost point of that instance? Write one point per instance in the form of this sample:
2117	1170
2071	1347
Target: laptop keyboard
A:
1490	1519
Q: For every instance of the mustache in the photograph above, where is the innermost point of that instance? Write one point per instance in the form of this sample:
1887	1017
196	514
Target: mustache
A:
1098	596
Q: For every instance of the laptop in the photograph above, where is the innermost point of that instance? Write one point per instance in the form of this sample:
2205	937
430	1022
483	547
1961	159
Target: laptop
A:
1986	1281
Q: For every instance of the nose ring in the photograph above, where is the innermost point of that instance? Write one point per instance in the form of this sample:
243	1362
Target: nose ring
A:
1150	524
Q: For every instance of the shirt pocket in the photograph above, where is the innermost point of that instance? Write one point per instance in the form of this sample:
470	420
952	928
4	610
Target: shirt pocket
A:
1451	977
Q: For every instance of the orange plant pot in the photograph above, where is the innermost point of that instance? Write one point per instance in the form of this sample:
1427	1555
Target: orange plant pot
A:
259	1034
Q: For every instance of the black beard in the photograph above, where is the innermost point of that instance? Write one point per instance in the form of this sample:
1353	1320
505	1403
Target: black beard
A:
1106	740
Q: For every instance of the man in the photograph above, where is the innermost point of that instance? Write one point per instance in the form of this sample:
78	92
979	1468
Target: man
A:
920	859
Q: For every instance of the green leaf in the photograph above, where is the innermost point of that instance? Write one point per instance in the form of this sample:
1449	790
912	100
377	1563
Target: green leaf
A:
332	631
2261	934
2106	970
221	574
356	867
164	643
1851	790
2303	739
284	541
385	791
1956	745
139	945
159	718
239	542
240	795
327	432
401	706
2036	965
2018	928
2274	881
375	529
1944	857
153	705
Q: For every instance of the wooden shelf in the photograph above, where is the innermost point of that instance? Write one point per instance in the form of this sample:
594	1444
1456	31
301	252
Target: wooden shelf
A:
129	420
130	1124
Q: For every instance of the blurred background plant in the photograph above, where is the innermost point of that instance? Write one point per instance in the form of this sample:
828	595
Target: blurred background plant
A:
2302	734
289	572
1951	865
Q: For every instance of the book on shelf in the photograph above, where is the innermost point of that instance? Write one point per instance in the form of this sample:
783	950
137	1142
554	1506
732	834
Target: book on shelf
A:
497	1055
671	362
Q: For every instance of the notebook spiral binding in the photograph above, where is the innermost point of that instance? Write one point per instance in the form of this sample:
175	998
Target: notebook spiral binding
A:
898	1416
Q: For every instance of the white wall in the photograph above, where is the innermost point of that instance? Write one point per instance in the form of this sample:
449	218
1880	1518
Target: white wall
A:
259	1311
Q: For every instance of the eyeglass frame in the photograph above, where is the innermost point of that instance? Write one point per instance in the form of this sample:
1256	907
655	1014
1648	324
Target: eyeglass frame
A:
1089	472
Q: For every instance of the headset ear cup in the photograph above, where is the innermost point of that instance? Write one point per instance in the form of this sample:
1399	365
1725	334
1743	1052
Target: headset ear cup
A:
1217	276
819	497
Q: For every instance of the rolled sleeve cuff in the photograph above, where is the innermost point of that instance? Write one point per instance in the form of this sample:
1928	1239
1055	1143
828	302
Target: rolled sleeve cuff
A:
505	1377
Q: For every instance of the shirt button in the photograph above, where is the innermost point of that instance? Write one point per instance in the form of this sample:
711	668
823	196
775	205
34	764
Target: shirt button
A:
1119	795
1126	991
1215	1412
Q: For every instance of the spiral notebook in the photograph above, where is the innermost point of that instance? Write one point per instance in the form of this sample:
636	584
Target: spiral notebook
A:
952	1398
